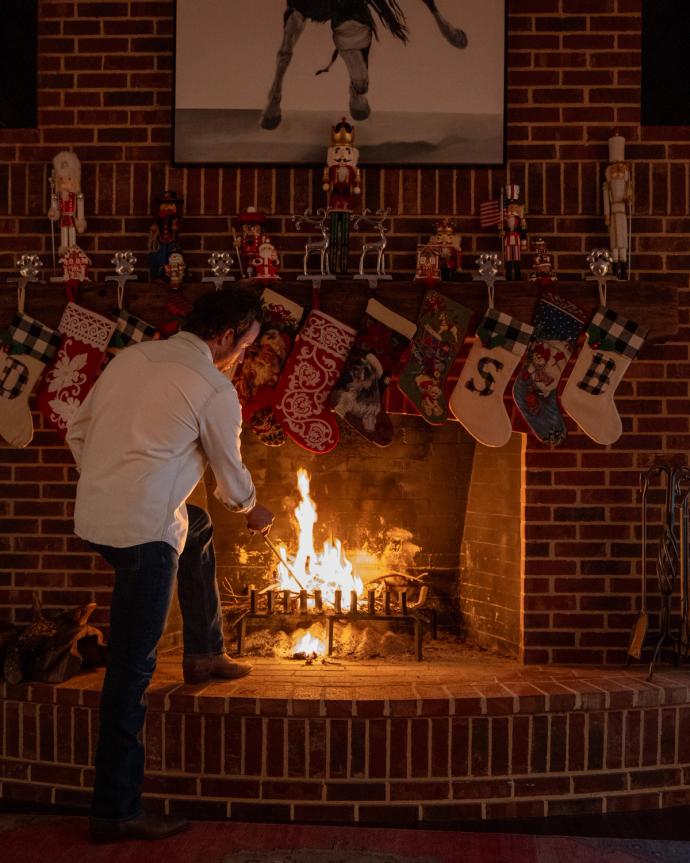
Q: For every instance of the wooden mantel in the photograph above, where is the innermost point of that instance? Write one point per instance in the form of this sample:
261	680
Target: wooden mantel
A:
654	305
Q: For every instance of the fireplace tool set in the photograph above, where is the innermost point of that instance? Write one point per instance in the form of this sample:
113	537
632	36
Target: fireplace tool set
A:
290	608
672	565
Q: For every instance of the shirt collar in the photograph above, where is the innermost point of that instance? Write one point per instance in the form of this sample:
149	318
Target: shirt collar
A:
195	342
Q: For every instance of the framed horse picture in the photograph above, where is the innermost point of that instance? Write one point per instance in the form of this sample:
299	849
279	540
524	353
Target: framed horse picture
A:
263	81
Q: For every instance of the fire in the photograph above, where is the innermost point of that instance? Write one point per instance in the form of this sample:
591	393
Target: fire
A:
309	644
328	570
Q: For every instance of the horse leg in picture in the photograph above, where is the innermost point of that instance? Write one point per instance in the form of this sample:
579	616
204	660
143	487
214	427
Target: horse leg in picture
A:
353	40
293	26
456	37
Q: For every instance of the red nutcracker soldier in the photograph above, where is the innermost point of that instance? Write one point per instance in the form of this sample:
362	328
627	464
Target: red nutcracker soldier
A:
513	232
66	199
342	183
542	272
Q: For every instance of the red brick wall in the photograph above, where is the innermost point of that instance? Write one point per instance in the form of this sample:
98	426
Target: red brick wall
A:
105	89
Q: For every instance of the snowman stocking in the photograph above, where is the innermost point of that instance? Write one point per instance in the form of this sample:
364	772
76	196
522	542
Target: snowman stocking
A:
557	325
440	332
32	346
477	400
259	374
73	371
357	397
612	344
312	369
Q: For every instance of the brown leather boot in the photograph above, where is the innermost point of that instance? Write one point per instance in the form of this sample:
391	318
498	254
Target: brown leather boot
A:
106	830
201	669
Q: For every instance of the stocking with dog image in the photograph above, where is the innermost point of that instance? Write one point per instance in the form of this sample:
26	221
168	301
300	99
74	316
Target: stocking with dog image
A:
381	339
612	344
557	326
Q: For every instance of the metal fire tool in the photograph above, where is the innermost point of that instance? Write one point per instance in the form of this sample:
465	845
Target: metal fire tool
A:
287	566
639	633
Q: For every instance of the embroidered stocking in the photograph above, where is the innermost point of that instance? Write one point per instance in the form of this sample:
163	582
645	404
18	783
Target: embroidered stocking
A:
357	397
310	374
440	332
477	400
612	344
259	373
73	371
32	346
557	325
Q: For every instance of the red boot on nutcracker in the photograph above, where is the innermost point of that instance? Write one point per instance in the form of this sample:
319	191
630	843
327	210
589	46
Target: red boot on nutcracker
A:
513	232
342	183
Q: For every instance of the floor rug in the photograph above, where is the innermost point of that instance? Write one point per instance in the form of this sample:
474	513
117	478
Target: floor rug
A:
58	839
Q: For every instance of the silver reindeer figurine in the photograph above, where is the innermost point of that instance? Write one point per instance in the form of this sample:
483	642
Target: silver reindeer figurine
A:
320	246
376	221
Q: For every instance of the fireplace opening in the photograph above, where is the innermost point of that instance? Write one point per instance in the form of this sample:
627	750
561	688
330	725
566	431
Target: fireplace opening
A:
377	553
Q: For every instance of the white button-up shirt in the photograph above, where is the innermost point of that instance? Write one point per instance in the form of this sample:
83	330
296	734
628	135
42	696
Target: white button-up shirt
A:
159	413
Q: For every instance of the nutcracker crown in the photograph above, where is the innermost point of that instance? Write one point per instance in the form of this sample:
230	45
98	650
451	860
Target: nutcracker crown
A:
343	134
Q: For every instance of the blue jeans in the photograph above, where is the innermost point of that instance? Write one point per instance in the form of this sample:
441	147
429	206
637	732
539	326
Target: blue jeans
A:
144	581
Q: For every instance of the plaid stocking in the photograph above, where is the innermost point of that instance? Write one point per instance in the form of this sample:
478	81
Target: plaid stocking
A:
32	346
612	344
477	400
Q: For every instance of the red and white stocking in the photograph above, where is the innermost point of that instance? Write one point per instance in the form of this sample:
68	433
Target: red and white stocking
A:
73	371
311	372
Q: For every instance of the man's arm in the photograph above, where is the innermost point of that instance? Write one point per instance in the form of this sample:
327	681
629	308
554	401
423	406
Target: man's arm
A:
220	430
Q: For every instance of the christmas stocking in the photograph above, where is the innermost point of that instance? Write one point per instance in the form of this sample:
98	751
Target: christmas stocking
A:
612	344
477	400
32	346
557	325
357	397
73	371
130	330
440	332
312	369
178	307
258	376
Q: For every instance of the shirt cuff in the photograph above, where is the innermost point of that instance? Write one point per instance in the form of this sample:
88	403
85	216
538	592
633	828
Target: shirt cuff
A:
244	506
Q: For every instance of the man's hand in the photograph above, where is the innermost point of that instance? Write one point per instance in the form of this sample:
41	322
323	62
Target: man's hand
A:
259	519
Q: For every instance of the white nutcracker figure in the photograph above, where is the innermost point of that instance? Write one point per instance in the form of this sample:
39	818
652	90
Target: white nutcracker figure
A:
66	199
618	198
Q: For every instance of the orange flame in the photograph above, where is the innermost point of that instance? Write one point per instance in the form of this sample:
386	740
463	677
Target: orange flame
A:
328	570
309	644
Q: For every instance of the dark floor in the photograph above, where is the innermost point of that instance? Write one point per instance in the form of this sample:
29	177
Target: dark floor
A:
661	824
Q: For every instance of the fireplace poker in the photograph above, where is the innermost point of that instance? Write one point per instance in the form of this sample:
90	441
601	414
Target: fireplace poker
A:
287	566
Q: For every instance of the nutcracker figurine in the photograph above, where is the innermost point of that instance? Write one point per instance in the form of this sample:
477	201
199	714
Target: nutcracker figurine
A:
513	232
542	268
618	199
247	240
450	251
342	183
66	199
163	236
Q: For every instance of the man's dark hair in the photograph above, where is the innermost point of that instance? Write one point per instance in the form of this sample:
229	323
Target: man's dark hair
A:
218	311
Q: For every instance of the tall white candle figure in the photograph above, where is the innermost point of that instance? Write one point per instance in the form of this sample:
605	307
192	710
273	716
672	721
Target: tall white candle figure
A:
618	199
67	200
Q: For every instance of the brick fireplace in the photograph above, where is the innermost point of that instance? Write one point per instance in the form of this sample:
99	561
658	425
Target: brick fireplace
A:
557	579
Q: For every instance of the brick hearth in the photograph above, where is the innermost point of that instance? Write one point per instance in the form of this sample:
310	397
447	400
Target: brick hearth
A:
480	739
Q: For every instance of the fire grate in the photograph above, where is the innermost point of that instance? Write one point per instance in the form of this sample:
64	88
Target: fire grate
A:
292	608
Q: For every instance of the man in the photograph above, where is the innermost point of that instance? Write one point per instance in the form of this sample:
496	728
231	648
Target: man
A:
141	441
